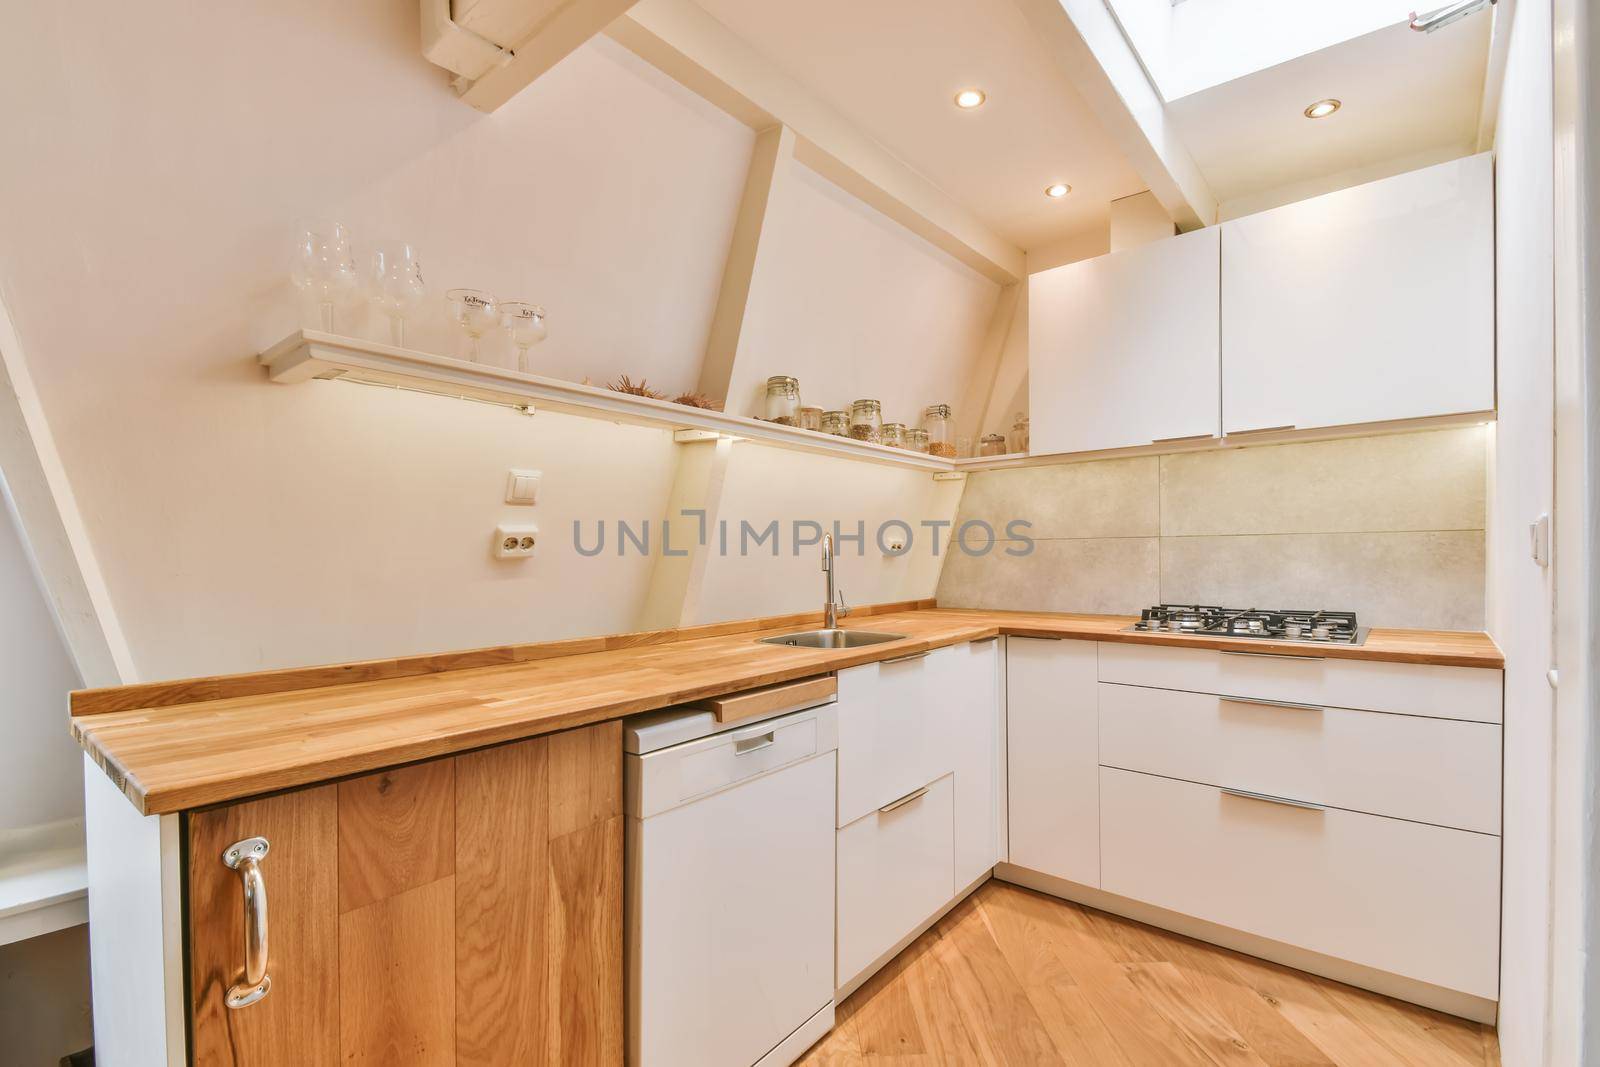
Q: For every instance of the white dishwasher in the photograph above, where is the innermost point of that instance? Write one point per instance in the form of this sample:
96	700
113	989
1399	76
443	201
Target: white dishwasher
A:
730	838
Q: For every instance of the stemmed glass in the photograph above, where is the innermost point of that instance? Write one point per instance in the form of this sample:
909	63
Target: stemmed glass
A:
395	286
525	323
322	267
475	312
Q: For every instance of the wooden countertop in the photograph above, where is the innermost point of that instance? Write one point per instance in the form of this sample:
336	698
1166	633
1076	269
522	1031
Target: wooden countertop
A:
176	745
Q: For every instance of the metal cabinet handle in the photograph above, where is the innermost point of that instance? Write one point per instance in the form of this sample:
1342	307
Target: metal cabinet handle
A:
907	658
245	857
915	794
1290	704
1259	429
1183	437
1245	794
1268	655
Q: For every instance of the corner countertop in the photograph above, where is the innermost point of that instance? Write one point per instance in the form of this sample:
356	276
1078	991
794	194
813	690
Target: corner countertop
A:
172	746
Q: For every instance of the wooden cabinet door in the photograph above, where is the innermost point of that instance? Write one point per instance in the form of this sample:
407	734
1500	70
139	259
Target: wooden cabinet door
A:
464	910
1053	757
1123	350
1370	304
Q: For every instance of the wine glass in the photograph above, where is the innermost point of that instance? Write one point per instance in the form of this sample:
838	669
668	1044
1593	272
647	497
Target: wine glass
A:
475	312
525	323
322	267
395	286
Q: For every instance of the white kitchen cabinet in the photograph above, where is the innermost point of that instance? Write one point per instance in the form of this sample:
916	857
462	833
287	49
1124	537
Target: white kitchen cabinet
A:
886	745
965	686
896	869
1410	899
1369	304
1123	349
1052	755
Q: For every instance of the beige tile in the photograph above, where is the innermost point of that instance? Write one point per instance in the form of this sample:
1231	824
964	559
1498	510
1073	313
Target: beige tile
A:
1424	580
1102	575
1415	481
1103	498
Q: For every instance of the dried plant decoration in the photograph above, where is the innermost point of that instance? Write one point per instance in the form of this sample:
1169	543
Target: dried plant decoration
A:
697	400
626	384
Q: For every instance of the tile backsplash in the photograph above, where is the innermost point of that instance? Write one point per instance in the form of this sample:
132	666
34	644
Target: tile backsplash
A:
1391	527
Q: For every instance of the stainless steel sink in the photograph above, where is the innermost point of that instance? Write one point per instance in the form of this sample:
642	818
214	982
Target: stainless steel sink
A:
831	638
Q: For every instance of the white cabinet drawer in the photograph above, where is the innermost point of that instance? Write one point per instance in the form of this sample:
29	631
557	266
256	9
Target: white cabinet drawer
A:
1053	758
888	738
669	777
896	868
1409	767
1410	688
1414	900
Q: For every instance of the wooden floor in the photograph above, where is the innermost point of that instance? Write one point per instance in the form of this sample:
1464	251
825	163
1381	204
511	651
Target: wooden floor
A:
1014	977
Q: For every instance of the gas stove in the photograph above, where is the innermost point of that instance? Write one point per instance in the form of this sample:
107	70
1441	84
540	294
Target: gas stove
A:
1309	627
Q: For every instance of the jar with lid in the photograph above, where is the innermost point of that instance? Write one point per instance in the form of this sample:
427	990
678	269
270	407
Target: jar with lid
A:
1018	441
811	418
894	434
836	423
992	444
866	421
783	400
941	429
917	440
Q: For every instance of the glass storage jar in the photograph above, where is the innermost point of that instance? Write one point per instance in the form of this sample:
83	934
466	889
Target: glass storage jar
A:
811	418
866	421
1018	441
917	440
783	400
941	429
836	422
992	444
894	434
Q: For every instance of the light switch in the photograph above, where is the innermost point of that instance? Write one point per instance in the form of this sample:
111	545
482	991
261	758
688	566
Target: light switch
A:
522	487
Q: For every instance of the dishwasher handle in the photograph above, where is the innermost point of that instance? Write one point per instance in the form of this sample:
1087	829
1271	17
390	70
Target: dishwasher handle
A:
753	741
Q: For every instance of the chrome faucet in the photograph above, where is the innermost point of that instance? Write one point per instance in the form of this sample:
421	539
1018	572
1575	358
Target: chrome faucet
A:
833	606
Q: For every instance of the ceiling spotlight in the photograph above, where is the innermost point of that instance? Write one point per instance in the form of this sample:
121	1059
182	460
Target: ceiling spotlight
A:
1057	191
967	99
1323	108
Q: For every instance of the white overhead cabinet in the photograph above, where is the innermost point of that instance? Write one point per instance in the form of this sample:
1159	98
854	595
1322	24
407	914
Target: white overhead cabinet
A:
1123	349
1370	304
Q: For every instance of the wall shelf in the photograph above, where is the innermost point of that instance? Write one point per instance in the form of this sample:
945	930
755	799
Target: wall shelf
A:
44	880
308	355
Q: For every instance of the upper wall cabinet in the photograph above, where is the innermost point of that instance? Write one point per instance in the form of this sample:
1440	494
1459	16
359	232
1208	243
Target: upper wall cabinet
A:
1365	305
1123	349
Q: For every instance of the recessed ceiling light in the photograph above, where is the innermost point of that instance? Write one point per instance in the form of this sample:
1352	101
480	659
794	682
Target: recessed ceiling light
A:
1323	108
968	99
1057	191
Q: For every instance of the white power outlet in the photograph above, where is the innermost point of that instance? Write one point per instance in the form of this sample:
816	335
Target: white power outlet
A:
515	542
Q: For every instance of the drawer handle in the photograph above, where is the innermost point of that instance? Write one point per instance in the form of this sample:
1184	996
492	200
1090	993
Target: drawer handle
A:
245	857
985	640
1290	704
1245	794
908	657
754	742
915	794
1269	655
1183	437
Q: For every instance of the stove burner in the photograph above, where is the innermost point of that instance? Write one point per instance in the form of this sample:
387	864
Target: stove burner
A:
1328	627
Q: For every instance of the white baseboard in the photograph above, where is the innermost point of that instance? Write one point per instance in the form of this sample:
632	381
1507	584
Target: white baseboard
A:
1438	998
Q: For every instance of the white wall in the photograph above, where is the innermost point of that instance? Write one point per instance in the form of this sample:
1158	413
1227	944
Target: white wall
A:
143	232
38	759
1520	591
855	305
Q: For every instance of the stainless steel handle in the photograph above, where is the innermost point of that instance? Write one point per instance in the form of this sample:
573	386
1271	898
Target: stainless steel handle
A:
754	742
1259	429
1290	704
245	857
1245	794
1183	437
1270	655
985	640
915	794
907	658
